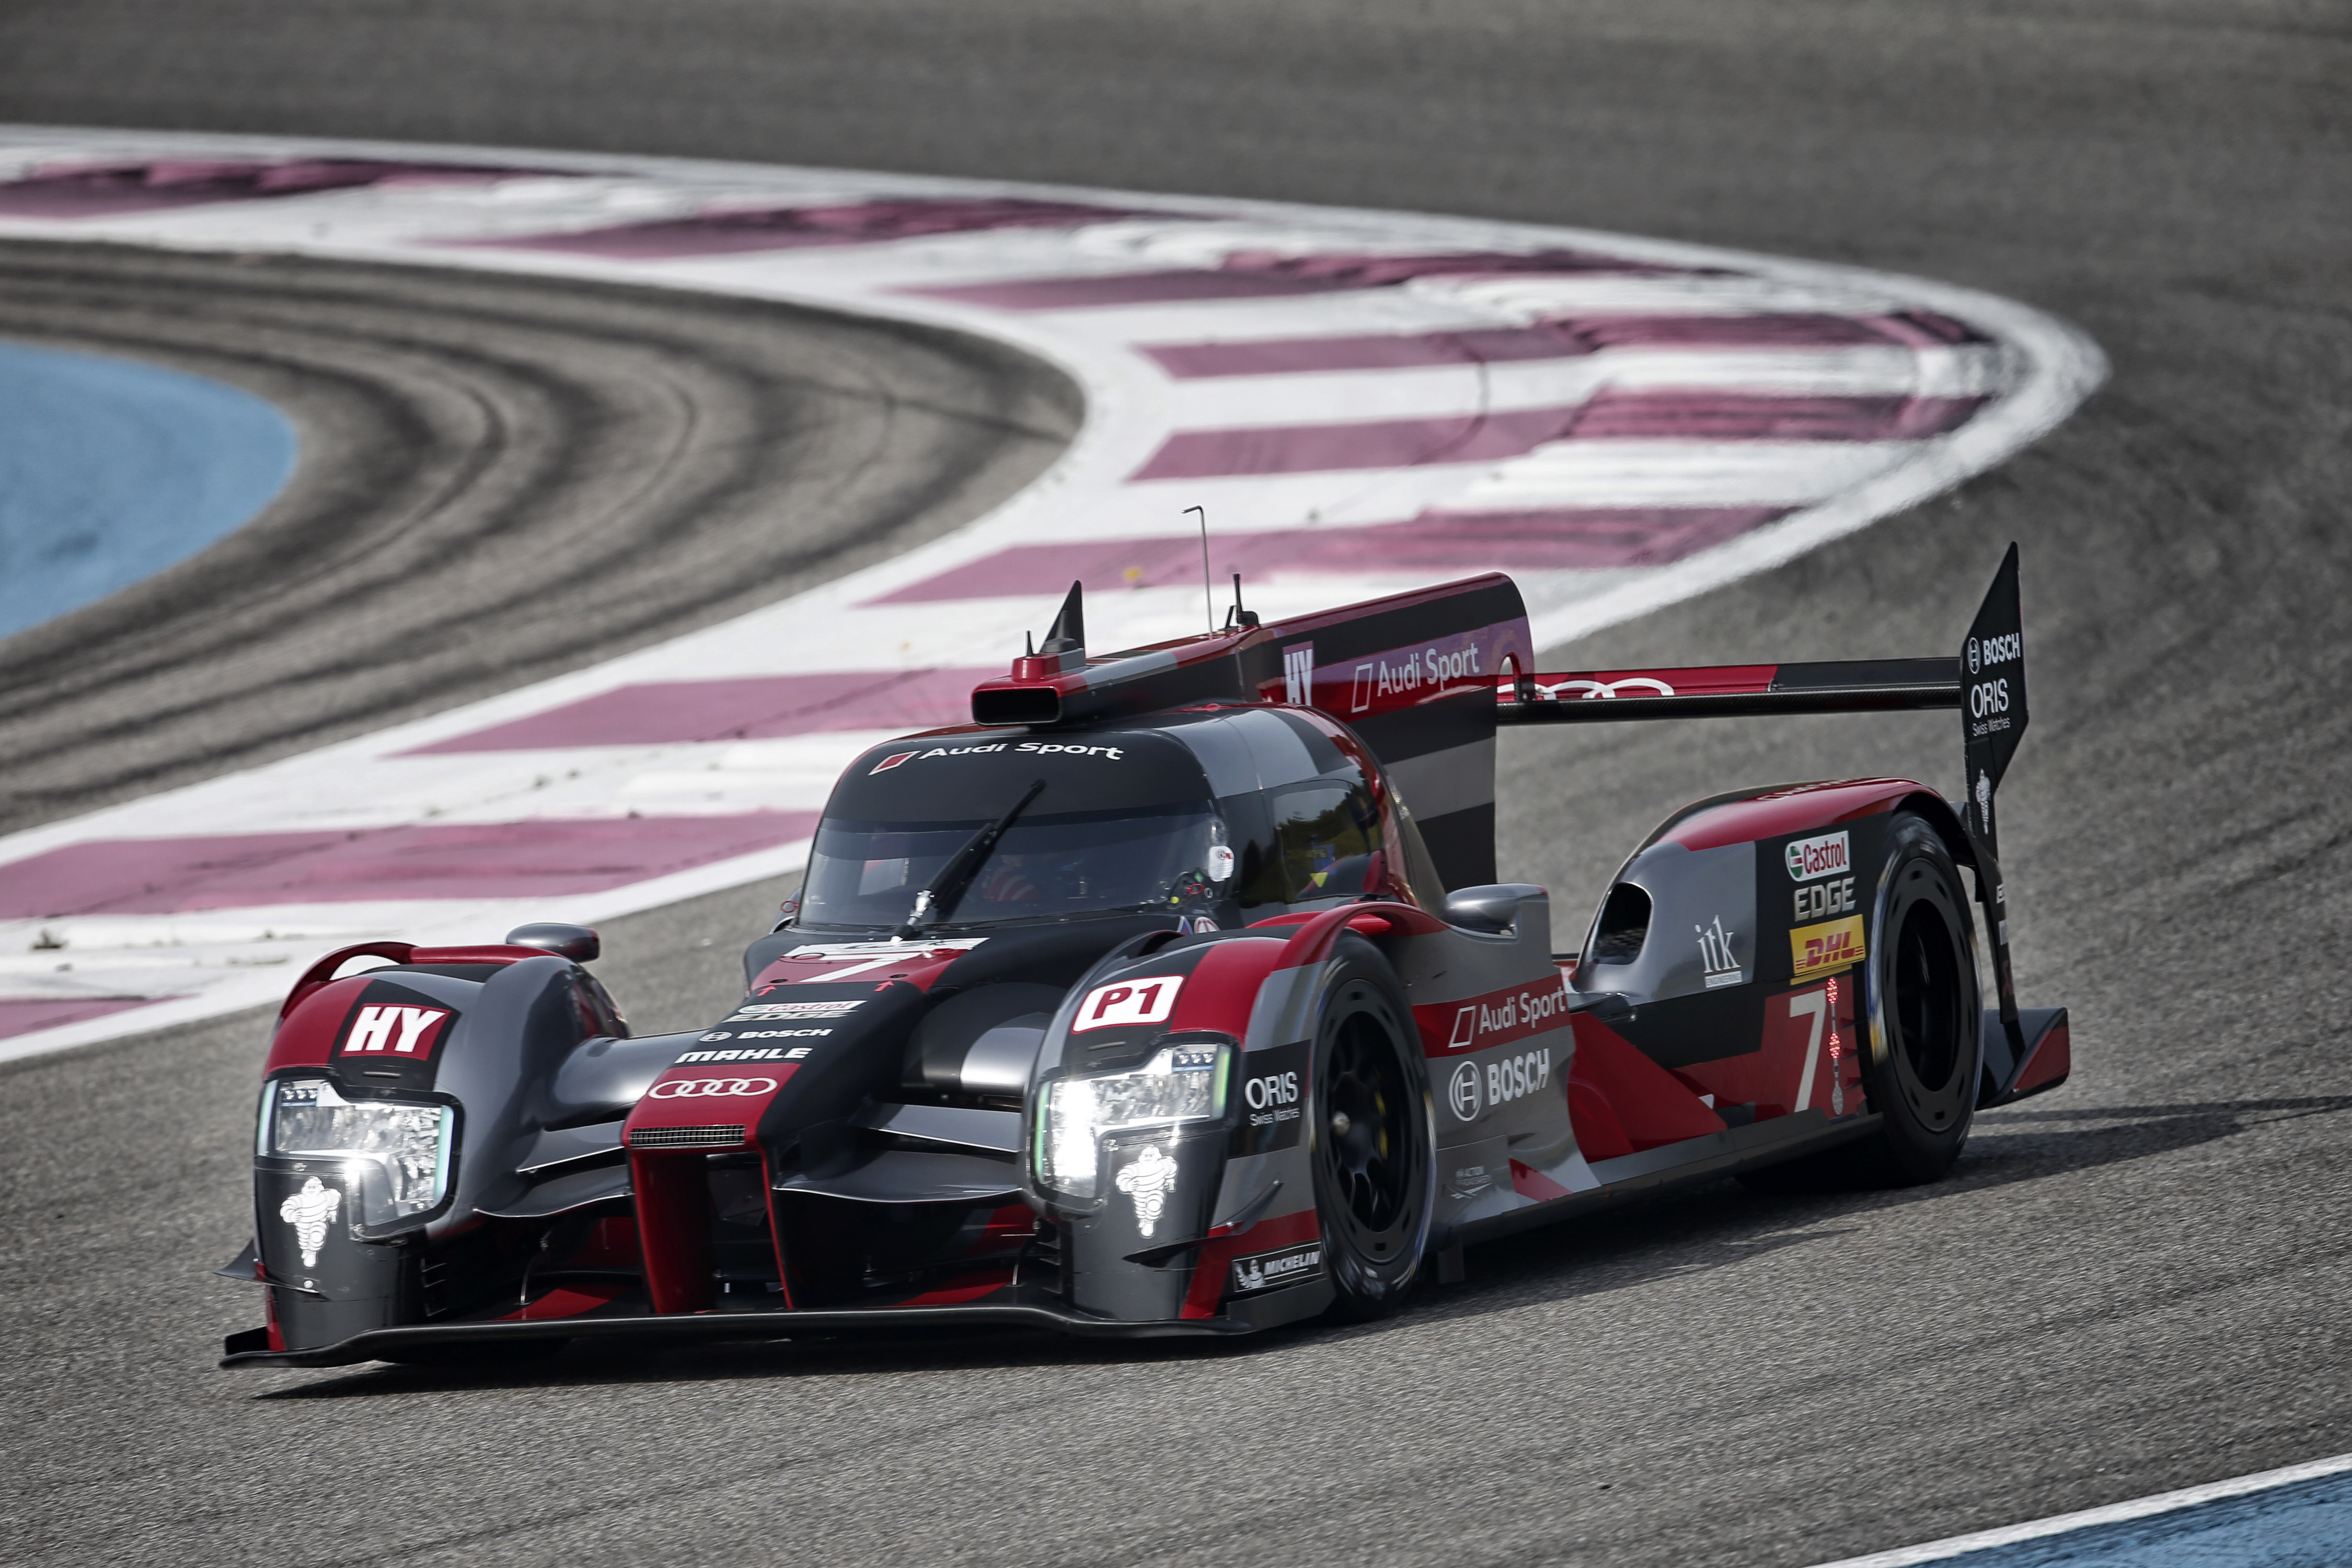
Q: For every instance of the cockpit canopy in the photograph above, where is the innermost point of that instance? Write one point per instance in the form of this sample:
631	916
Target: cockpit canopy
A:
1219	817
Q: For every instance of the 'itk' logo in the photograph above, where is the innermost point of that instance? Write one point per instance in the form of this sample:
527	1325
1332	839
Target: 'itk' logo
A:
1298	674
1721	964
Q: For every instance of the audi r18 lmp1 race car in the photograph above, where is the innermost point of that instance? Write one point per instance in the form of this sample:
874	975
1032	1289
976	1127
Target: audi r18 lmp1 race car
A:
1174	994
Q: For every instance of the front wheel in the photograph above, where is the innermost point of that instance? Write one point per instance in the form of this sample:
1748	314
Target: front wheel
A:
1375	1179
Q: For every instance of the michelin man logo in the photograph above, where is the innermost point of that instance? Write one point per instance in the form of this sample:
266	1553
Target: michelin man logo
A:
309	1212
1147	1180
1250	1277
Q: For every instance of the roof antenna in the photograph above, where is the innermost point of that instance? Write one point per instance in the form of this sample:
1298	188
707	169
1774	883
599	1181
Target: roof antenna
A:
1208	592
1238	616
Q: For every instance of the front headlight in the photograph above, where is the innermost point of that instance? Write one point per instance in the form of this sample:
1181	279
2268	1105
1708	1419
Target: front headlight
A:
397	1155
1179	1084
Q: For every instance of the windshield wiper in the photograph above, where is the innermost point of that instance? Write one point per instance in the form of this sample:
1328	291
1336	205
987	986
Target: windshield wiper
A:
936	902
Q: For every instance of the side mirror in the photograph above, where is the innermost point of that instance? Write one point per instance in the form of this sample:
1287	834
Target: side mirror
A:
577	943
1493	909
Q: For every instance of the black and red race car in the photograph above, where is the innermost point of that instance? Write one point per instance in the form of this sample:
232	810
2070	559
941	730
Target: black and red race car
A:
1174	994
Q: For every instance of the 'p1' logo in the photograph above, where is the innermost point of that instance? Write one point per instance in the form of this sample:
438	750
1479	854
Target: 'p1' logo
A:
1146	1001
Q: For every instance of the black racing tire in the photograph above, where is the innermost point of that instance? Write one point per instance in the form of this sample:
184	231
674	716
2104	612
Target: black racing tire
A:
1925	1009
1372	1132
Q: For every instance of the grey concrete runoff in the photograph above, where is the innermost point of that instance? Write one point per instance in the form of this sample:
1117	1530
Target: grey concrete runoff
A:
2134	1284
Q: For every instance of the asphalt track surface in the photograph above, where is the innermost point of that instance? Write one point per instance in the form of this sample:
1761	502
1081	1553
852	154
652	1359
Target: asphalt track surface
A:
2134	1284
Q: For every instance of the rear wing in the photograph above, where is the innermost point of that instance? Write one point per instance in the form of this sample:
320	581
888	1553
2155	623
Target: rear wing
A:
1985	680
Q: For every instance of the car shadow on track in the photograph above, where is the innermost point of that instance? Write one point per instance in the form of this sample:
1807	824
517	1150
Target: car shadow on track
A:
1724	1224
2022	1144
1695	1232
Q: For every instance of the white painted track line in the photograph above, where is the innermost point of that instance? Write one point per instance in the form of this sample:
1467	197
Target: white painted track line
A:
2091	1518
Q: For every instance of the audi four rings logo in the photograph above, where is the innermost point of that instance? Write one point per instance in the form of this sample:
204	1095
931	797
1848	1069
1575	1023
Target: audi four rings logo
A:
712	1088
1586	691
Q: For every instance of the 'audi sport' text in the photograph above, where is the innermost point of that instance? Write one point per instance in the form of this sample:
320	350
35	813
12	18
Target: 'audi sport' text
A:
1417	673
1495	1019
769	1011
1034	748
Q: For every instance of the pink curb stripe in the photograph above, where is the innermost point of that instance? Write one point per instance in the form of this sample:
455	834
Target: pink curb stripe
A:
1668	413
488	861
1663	415
1436	542
750	708
1373	443
107	190
1568	338
1260	274
735	232
19	1016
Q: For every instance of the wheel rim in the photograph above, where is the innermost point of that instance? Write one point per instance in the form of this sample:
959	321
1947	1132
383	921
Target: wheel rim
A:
1365	1139
1927	997
1928	1011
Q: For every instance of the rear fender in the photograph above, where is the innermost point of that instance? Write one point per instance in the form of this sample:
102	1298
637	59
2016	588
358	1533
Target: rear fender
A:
1728	879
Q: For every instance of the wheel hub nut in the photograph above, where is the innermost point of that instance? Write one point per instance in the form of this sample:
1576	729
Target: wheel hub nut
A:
1340	1124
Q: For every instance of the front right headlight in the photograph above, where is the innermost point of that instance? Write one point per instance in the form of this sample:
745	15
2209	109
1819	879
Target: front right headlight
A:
396	1154
1179	1084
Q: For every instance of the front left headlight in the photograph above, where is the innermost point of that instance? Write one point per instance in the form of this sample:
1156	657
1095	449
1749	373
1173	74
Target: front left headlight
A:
397	1155
1179	1084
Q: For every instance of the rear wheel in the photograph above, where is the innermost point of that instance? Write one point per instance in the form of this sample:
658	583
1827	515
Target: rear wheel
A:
1924	1029
1375	1180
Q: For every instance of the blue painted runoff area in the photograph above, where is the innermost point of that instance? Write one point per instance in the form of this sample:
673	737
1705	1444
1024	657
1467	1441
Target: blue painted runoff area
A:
111	470
2306	1524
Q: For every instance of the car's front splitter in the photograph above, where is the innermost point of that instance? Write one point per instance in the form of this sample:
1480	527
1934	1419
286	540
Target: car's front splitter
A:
385	1343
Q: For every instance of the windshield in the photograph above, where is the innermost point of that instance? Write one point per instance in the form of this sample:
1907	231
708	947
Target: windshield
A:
866	874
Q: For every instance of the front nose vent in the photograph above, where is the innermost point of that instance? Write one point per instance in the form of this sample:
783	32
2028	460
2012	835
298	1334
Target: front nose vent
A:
687	1137
1623	925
